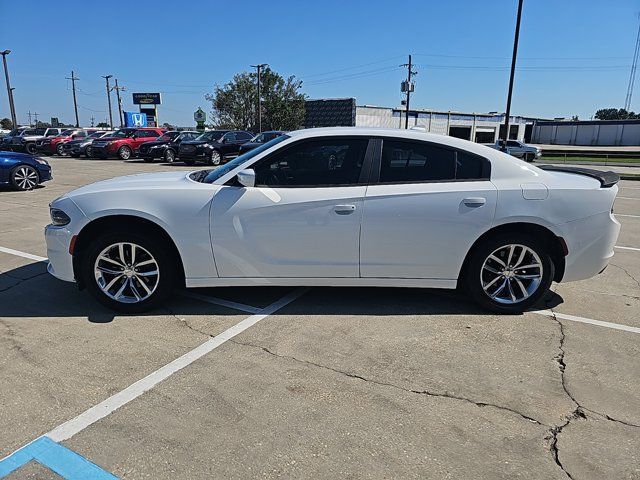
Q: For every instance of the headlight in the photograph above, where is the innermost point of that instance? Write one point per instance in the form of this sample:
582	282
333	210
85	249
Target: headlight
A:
58	217
41	161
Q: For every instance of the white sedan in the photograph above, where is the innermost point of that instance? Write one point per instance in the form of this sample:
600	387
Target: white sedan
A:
340	207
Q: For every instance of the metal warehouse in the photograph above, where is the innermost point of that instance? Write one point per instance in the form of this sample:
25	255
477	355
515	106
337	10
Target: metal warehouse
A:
590	132
478	127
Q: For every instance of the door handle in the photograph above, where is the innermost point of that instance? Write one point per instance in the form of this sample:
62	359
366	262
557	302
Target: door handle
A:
474	201
344	209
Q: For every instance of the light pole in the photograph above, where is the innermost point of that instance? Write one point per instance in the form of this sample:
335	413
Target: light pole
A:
513	71
259	67
107	77
9	89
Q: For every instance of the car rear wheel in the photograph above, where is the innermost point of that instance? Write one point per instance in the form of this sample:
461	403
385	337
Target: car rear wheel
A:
124	153
528	157
128	272
24	177
216	158
509	273
170	156
31	148
60	149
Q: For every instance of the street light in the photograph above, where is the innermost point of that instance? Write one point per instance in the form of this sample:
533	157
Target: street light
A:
9	89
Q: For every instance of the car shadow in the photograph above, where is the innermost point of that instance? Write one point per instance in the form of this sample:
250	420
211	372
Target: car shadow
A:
30	292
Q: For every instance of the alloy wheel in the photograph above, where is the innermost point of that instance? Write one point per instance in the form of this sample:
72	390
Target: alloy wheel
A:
511	274
25	177
60	149
170	156
125	153
126	272
215	158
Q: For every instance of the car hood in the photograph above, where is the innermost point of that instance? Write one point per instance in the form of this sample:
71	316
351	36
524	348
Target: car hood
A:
142	181
15	156
154	144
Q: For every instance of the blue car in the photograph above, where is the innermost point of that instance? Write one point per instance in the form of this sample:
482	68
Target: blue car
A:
23	171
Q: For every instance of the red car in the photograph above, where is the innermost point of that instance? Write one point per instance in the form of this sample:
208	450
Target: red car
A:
53	145
124	143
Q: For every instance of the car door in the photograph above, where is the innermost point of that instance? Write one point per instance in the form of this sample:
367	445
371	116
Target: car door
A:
425	206
302	219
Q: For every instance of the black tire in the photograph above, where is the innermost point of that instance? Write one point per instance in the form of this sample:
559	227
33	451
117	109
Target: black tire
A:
166	266
216	159
60	149
88	151
169	156
528	157
31	148
189	161
125	152
477	276
24	177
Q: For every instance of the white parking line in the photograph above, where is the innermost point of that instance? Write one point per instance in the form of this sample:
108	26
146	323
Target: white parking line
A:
599	323
104	408
623	215
628	248
221	302
18	253
628	198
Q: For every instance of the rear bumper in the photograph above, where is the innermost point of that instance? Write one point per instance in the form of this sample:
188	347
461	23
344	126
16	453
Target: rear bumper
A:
590	242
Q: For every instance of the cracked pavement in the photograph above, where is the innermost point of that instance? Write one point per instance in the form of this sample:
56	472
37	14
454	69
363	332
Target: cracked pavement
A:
342	383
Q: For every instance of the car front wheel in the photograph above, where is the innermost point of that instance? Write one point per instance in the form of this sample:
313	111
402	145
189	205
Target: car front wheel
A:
124	153
31	148
216	158
170	156
60	149
509	273
24	177
128	272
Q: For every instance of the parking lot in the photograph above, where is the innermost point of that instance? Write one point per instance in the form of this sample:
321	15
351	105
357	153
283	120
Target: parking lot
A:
320	382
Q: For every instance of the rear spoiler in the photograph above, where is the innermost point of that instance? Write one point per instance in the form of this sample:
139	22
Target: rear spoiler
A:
606	179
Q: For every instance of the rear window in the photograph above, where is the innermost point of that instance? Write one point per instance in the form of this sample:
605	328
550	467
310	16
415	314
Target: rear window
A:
413	162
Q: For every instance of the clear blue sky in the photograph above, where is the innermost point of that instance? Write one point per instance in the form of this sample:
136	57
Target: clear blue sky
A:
574	57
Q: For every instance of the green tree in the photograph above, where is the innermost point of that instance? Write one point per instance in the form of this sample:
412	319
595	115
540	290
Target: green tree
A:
235	104
615	114
102	125
6	124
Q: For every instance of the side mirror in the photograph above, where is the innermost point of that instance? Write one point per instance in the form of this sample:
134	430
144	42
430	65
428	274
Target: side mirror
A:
247	177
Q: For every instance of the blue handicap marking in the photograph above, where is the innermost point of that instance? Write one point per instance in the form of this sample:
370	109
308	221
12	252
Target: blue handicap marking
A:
66	463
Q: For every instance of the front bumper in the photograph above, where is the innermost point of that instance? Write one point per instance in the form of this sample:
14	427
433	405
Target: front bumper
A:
60	260
45	173
590	242
104	150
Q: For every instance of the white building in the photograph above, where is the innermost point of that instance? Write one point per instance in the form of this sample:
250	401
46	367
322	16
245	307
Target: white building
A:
479	127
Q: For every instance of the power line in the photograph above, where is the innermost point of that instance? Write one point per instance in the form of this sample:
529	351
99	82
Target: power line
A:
632	75
366	73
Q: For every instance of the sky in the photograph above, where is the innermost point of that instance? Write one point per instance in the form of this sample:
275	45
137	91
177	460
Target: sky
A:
574	55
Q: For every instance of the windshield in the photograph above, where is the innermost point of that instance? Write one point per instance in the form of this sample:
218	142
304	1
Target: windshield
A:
209	136
210	176
123	133
95	135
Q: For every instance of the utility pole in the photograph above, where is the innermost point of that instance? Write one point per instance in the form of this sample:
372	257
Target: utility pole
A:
117	89
9	89
29	115
407	87
73	79
513	71
92	120
259	67
107	77
35	118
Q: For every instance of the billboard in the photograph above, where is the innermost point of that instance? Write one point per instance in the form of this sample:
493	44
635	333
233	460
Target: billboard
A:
135	119
146	99
338	112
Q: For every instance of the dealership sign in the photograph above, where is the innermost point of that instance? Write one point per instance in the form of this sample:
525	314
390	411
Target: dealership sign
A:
146	99
134	119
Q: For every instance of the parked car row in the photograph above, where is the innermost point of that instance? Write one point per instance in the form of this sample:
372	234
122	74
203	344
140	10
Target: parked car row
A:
214	147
